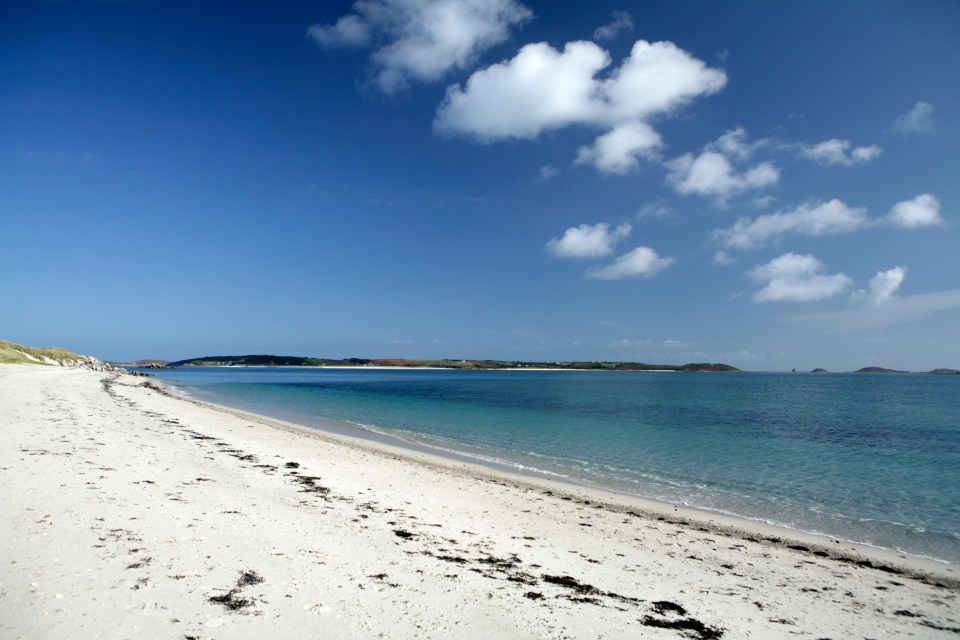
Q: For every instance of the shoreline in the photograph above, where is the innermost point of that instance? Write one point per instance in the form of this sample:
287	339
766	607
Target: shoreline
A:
728	524
745	525
131	511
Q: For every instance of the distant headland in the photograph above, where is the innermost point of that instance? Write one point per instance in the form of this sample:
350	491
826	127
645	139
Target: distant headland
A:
297	361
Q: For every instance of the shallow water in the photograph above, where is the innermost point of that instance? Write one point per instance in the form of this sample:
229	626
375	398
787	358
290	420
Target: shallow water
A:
872	458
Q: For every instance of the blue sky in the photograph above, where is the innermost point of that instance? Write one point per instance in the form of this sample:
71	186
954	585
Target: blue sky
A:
772	185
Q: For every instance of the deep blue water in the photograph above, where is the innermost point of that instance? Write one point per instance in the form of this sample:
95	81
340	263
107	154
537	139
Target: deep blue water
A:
872	458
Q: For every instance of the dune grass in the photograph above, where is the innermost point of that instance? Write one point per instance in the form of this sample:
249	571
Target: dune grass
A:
13	353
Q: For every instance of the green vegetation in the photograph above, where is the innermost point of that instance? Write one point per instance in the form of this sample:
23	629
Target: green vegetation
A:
296	361
13	353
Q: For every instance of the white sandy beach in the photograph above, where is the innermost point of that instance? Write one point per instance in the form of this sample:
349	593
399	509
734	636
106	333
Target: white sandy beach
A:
130	513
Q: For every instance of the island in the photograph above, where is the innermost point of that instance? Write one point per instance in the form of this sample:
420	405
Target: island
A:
878	370
299	361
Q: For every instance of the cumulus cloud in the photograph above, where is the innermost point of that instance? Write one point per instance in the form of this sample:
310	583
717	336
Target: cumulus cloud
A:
587	241
542	89
539	89
882	287
642	261
621	22
837	152
619	150
922	211
810	219
918	120
796	278
712	174
421	39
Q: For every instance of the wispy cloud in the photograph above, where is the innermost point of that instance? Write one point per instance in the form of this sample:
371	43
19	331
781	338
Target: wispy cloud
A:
916	121
621	22
642	261
896	311
656	209
421	39
825	218
662	344
722	258
810	219
736	143
548	172
835	152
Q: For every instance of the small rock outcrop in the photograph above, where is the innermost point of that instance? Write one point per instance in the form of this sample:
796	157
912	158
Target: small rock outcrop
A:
91	363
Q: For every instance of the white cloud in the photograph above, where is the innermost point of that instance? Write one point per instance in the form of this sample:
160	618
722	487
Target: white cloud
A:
796	278
539	89
811	219
658	77
922	211
642	261
735	143
837	152
586	241
711	174
918	120
895	311
619	150
882	287
421	39
542	89
621	22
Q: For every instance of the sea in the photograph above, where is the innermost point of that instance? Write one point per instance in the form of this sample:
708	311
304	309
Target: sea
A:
867	458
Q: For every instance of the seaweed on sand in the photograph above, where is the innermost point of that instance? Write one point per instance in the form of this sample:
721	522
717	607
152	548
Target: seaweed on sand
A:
691	627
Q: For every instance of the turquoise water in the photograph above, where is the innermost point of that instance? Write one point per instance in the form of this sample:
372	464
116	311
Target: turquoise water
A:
867	458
